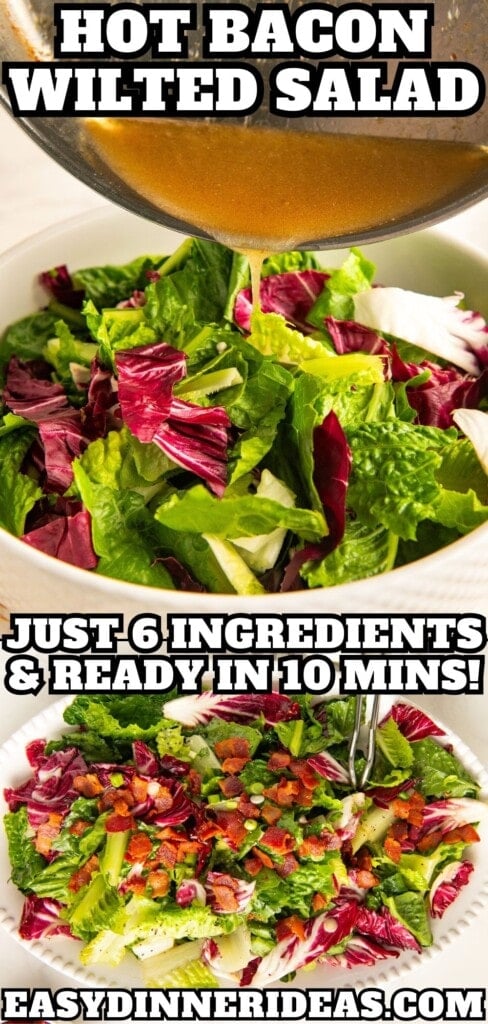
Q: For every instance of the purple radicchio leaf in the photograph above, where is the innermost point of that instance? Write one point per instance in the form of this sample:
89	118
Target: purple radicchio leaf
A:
332	467
30	392
65	535
446	815
386	928
201	708
194	437
41	918
50	789
145	761
448	885
59	284
190	891
327	766
413	723
360	952
291	294
446	390
349	336
292	953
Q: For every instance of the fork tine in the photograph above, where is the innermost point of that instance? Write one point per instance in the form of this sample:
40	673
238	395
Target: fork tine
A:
354	741
373	722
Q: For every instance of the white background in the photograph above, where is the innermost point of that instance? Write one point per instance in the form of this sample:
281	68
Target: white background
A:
34	193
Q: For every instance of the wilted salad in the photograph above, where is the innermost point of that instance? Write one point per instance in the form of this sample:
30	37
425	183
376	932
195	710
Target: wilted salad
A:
218	840
157	430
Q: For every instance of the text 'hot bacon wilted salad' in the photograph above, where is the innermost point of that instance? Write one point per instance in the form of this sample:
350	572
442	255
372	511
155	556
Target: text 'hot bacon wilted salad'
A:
218	839
157	430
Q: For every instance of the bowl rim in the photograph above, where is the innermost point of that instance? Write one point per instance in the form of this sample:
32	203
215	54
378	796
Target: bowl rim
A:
115	587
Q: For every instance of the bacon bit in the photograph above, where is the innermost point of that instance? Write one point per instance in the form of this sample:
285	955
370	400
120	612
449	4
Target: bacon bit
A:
248	809
253	866
289	865
207	830
139	848
168	855
263	857
279	761
158	882
312	847
398	831
87	785
187	849
318	902
410	810
366	879
47	832
364	860
278	840
270	813
120	807
305	796
284	793
231	824
234	747
136	885
224	889
111	796
226	899
234	765
401	809
393	850
469	834
231	787
120	823
429	843
301	770
293	925
83	876
138	787
454	836
168	832
194	782
79	828
163	800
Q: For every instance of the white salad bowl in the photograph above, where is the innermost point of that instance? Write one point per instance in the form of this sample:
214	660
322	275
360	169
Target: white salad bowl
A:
453	580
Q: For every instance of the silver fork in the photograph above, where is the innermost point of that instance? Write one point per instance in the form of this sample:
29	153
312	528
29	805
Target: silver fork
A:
371	727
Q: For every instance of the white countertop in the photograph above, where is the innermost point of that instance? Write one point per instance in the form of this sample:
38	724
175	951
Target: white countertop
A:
34	193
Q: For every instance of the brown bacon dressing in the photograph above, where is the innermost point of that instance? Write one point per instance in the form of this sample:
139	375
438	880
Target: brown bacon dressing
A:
271	189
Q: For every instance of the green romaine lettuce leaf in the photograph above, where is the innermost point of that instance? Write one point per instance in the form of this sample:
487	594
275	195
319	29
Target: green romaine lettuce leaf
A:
411	910
26	338
117	329
271	336
393	479
106	286
123	531
25	862
336	300
192	290
231	517
394	746
439	772
364	551
18	492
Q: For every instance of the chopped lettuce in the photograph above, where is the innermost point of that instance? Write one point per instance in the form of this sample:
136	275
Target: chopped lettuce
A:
440	773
